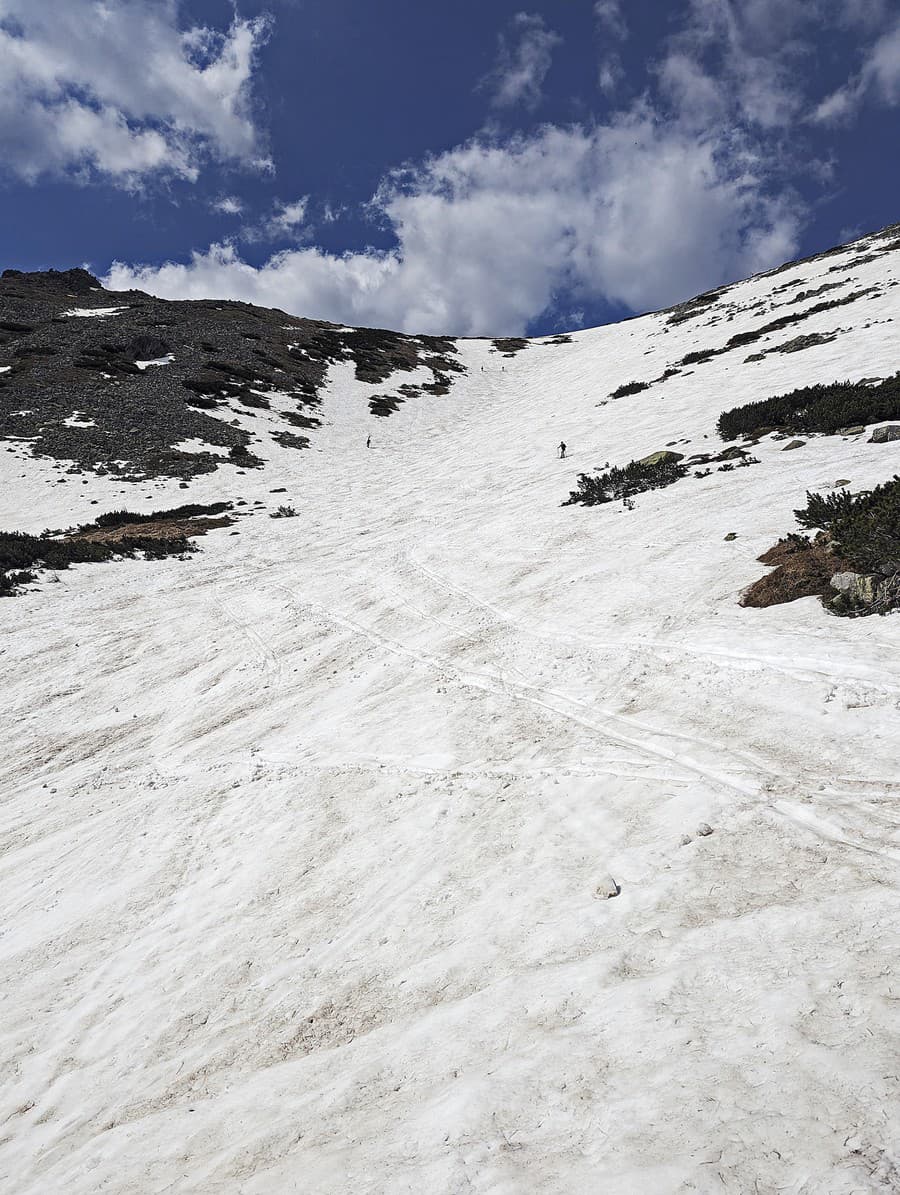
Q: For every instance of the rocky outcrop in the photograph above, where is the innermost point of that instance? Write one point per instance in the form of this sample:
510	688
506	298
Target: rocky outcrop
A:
142	375
884	435
664	457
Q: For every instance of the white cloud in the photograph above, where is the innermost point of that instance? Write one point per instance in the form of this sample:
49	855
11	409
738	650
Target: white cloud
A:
610	18
288	216
738	63
114	87
284	220
488	234
228	205
612	30
878	80
526	53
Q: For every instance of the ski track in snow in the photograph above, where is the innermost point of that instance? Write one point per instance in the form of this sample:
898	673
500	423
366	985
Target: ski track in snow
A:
302	838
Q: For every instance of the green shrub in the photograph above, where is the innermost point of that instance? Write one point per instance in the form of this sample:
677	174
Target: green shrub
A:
630	388
824	408
21	554
120	518
865	528
10	583
635	478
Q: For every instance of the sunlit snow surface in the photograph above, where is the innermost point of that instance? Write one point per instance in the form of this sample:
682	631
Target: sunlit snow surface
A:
303	837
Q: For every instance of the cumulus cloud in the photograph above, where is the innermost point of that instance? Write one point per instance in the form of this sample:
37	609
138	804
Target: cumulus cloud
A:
115	88
526	53
636	212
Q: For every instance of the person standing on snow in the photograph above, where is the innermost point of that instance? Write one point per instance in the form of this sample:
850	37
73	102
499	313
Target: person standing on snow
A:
562	450
368	441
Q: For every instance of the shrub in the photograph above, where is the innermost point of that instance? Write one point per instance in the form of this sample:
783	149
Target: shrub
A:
284	512
21	554
824	408
10	583
822	510
864	528
635	478
630	388
859	533
121	518
240	454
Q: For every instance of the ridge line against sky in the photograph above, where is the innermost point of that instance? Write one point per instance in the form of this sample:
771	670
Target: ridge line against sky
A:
485	169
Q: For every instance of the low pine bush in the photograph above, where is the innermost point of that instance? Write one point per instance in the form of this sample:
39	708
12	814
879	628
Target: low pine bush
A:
628	388
816	409
21	554
864	528
120	518
635	478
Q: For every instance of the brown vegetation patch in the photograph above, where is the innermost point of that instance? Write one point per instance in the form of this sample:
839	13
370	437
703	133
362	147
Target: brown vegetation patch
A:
803	569
163	529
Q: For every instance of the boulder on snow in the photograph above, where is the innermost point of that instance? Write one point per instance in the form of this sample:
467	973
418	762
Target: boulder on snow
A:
730	536
704	830
607	889
853	431
664	457
794	444
884	435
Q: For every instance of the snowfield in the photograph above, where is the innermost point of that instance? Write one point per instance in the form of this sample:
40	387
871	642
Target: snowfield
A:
308	841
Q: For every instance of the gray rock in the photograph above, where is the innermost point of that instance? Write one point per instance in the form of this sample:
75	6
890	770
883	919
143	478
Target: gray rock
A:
794	444
884	435
844	582
607	889
731	535
853	431
861	587
664	456
704	830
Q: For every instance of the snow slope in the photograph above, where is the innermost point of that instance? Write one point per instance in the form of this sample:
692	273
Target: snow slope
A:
306	841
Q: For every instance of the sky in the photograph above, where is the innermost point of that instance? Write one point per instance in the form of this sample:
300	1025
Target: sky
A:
474	168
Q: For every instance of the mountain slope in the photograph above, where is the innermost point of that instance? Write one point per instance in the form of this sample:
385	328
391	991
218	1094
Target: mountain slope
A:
308	840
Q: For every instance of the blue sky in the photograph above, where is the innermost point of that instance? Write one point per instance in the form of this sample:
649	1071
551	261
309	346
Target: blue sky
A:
480	167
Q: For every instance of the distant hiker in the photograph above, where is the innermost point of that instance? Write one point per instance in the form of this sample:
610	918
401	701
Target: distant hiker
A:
368	441
562	450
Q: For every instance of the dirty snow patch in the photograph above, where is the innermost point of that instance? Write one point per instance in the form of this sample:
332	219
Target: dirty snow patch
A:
167	360
98	311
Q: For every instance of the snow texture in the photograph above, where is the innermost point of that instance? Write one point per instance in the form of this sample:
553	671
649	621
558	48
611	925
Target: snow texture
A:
309	841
